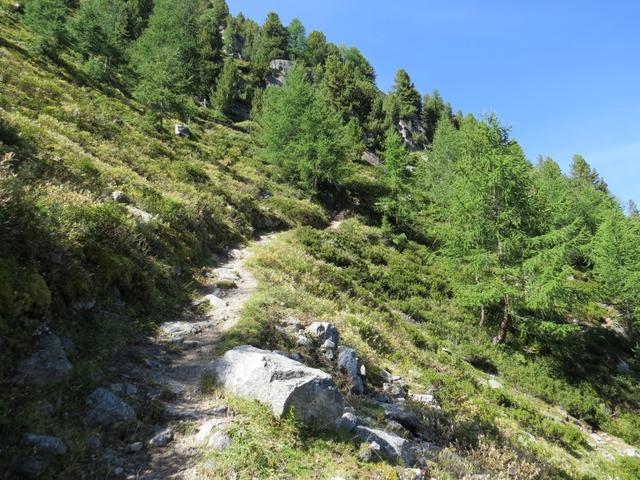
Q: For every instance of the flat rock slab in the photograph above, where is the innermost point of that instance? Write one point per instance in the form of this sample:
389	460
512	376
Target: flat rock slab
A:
281	383
107	408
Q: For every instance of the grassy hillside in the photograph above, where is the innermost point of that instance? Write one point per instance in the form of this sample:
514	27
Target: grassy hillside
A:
103	269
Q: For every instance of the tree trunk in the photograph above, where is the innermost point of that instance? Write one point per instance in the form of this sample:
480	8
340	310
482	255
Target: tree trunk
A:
505	324
482	315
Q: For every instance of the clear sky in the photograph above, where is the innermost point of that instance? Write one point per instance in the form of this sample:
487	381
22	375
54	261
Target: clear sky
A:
565	74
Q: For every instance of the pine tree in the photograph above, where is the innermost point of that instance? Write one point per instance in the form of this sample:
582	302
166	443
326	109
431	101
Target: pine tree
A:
228	86
100	33
220	13
47	20
303	135
397	206
434	108
632	210
316	49
209	51
407	102
297	38
273	44
166	57
581	171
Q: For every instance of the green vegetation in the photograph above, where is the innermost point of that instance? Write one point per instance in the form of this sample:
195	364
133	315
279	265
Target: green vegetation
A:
462	263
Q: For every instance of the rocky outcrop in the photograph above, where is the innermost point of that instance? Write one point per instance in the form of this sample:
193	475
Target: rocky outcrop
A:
413	133
48	365
106	408
278	70
182	131
281	383
371	158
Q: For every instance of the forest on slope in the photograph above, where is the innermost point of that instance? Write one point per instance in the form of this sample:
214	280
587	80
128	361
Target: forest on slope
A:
460	256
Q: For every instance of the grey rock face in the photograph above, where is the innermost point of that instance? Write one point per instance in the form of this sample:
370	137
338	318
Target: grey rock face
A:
426	399
392	447
348	362
45	444
106	408
282	384
323	331
278	70
48	365
371	158
349	421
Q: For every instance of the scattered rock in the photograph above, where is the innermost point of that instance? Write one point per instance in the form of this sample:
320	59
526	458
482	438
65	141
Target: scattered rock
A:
106	408
323	331
348	362
371	158
405	417
221	410
630	452
94	443
623	367
426	399
372	452
32	466
48	365
120	197
45	444
182	130
135	447
226	278
281	383
410	474
303	341
161	439
140	215
178	329
392	447
219	441
84	305
494	384
118	471
394	390
349	421
396	428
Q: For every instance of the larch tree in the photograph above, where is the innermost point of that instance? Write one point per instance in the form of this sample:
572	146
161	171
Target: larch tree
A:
47	19
297	38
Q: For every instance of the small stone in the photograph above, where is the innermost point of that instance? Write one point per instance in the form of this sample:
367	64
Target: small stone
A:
221	410
371	452
161	439
48	365
140	215
219	441
118	471
45	444
323	331
303	341
329	344
134	447
94	443
120	197
117	388
349	421
494	384
630	452
329	355
106	408
182	130
32	466
623	367
131	389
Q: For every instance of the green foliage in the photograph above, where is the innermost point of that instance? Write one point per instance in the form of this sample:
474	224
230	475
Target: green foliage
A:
404	101
272	44
226	91
297	38
47	20
398	205
582	172
434	110
302	133
316	49
100	30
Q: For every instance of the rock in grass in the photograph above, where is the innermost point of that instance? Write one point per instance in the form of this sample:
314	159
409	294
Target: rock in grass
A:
32	466
48	365
219	441
348	362
401	414
44	444
182	130
106	408
392	447
323	331
281	383
161	439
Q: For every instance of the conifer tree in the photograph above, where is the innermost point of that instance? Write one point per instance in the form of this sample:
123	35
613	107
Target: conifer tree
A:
302	134
404	100
273	44
397	205
297	38
166	57
581	171
434	108
47	20
100	32
220	13
228	86
316	49
209	50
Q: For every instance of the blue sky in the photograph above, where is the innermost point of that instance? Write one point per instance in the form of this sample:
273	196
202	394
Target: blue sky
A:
565	74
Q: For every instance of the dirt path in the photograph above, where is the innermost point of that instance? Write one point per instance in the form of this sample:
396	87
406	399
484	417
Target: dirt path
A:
172	374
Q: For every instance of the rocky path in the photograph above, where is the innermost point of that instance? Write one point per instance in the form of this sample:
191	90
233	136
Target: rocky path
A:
175	361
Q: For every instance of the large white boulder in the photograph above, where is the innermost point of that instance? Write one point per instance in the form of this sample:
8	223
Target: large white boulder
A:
281	383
